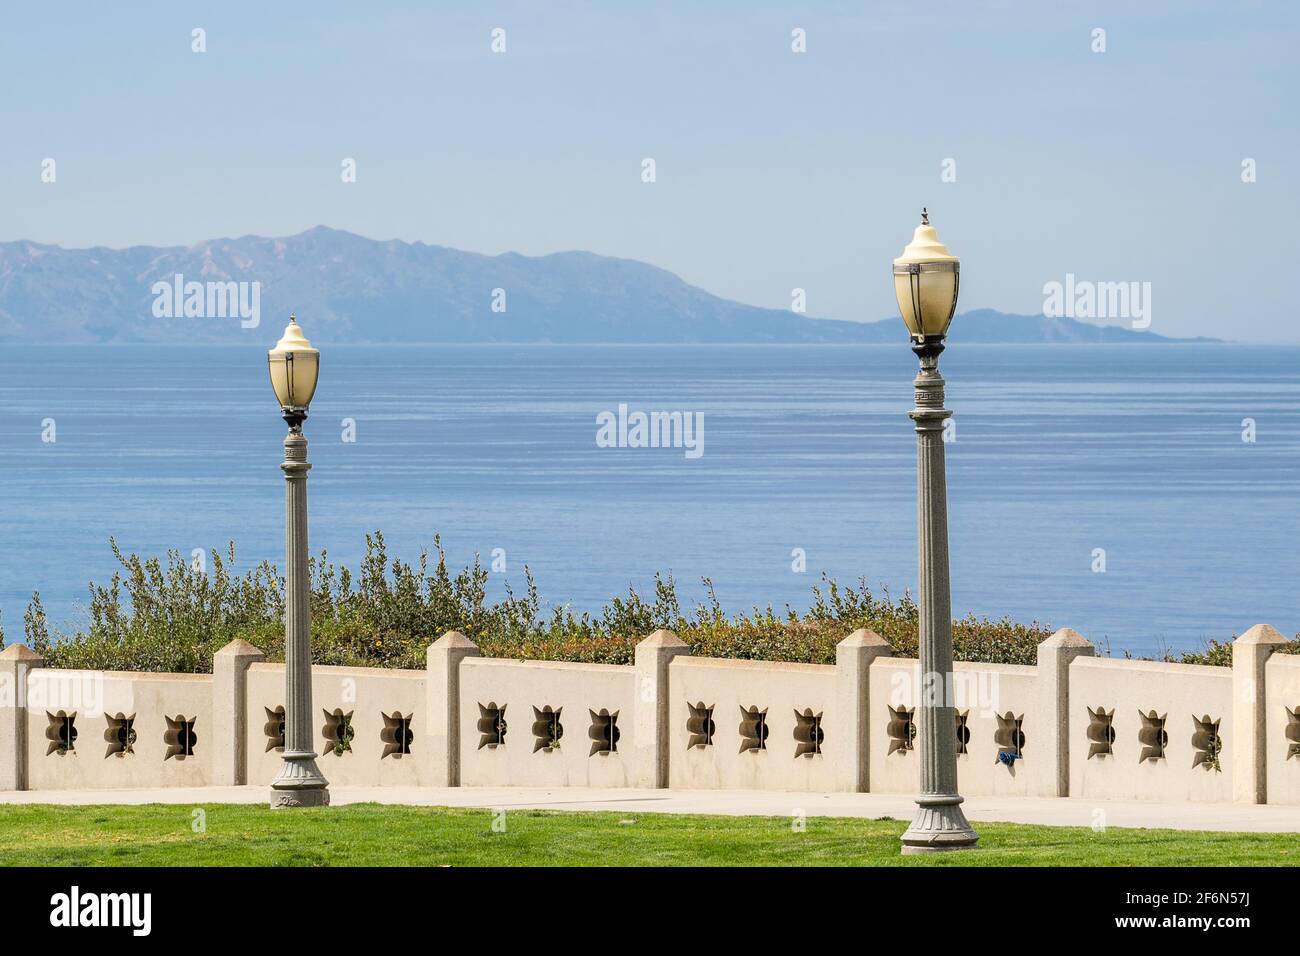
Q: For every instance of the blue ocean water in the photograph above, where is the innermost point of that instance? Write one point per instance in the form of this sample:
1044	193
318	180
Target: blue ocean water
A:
1059	451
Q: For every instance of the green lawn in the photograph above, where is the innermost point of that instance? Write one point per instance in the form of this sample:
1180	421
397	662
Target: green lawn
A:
374	835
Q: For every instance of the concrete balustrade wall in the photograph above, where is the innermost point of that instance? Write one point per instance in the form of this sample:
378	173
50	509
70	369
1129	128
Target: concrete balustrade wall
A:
981	694
370	701
753	739
1282	728
1143	719
126	730
589	699
1142	742
1073	724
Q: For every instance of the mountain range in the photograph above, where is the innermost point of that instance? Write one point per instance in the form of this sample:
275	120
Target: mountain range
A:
350	289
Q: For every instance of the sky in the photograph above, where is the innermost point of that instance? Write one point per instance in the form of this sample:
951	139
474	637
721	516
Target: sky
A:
774	170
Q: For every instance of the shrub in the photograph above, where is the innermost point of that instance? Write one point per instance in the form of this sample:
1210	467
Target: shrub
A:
1219	653
166	615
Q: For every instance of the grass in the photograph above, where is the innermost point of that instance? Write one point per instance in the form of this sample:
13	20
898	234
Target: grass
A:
375	835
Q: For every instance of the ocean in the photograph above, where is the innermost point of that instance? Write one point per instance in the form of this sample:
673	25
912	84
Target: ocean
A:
1105	488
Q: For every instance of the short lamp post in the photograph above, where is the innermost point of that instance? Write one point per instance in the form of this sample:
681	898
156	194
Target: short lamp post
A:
925	283
295	366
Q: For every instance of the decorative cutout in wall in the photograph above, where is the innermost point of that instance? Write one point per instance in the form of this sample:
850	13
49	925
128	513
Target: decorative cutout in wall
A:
1009	738
1207	743
901	729
338	732
179	737
1292	731
1101	732
119	735
61	733
604	732
396	734
547	729
1152	736
700	725
753	729
274	729
808	733
963	732
491	725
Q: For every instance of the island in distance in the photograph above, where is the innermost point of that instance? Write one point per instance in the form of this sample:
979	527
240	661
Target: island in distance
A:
359	290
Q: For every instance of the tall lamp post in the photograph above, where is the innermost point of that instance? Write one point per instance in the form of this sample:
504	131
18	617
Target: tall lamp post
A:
294	368
926	279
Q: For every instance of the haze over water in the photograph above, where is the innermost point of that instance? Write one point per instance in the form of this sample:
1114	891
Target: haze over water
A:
1059	451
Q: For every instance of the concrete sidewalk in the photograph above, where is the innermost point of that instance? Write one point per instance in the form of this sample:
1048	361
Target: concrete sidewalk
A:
1066	811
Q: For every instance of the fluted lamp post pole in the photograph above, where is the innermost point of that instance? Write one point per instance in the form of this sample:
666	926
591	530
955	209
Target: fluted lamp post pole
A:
926	279
294	368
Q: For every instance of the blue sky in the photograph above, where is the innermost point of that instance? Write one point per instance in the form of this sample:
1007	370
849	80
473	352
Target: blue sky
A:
774	170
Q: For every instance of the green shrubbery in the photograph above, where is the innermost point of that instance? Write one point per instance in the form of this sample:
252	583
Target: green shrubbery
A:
170	616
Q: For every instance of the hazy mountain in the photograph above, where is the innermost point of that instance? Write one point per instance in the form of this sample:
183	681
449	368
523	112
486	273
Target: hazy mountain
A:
347	288
988	325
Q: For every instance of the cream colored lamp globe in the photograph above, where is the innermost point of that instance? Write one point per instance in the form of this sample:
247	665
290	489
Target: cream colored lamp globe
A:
294	368
926	279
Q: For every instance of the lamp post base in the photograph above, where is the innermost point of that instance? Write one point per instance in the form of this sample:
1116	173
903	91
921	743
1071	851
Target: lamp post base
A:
299	783
939	826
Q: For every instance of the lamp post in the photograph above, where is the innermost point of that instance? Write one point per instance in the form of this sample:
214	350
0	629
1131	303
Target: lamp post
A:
294	368
926	279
